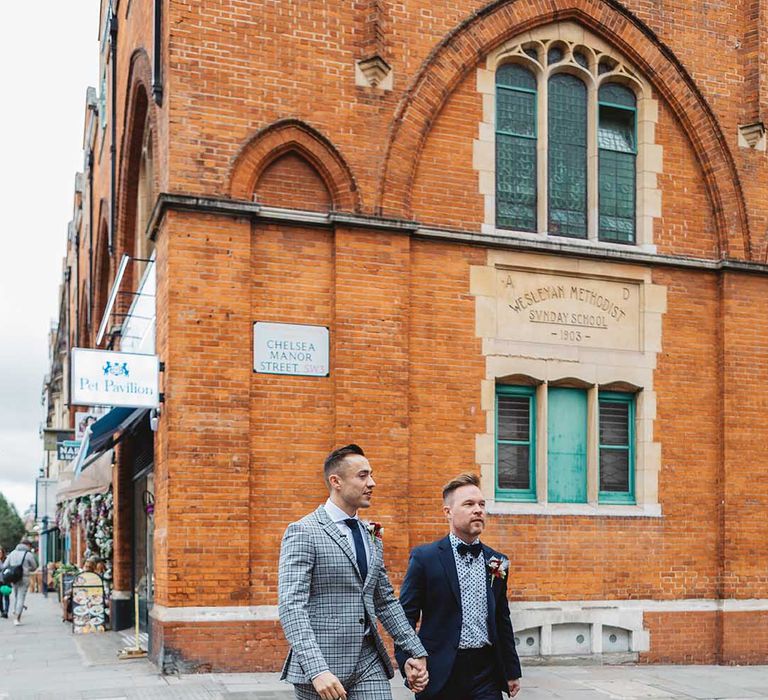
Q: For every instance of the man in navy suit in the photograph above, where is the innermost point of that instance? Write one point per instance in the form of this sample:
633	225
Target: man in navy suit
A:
457	586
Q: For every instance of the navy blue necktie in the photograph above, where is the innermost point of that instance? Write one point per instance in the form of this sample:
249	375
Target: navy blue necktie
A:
362	561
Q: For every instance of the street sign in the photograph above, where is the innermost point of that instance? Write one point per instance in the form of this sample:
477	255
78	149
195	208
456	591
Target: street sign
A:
66	450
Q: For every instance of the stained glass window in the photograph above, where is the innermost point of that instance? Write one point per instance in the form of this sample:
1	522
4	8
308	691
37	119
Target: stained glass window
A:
515	148
567	156
617	144
554	55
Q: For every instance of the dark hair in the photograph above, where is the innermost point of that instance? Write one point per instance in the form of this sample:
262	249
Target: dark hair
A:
458	482
334	460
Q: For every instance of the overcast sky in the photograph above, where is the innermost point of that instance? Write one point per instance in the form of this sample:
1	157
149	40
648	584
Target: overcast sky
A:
48	57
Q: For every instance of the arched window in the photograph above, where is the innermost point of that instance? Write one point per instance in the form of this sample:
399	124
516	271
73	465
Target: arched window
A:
567	133
617	144
143	246
568	162
516	148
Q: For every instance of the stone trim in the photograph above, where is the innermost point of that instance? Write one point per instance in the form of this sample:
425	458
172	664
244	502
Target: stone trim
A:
268	613
652	510
594	367
250	613
571	37
563	247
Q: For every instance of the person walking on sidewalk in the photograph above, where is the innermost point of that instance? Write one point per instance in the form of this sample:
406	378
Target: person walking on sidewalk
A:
457	586
21	556
333	590
5	597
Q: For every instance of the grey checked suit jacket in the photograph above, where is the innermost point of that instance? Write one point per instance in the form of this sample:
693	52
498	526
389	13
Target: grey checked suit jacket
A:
323	602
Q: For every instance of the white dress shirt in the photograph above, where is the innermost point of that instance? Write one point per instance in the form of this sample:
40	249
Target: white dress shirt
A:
338	516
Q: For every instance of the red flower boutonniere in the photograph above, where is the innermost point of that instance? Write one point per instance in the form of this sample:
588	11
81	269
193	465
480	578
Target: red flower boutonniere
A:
375	530
497	568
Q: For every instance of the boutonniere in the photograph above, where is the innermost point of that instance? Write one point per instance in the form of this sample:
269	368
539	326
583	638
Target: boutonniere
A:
497	568
375	530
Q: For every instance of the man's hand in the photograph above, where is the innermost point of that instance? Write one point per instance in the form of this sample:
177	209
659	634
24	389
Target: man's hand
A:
416	673
328	687
514	687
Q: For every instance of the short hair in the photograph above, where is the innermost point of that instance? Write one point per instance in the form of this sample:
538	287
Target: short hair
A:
334	460
458	482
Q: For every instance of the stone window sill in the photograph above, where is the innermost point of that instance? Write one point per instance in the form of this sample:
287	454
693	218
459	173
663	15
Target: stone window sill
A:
649	510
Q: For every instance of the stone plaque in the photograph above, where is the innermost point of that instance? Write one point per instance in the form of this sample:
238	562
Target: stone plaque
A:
568	310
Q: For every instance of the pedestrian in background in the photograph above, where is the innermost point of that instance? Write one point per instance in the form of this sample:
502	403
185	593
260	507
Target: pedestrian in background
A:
5	591
21	556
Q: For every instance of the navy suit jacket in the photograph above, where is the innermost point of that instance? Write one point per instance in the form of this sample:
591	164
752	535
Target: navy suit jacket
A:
430	592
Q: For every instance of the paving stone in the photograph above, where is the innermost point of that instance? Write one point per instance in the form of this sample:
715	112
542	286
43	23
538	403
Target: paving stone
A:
43	660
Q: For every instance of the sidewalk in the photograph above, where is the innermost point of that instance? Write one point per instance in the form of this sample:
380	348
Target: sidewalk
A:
42	660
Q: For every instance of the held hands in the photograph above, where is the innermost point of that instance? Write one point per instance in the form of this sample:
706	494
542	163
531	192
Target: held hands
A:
416	674
329	687
514	687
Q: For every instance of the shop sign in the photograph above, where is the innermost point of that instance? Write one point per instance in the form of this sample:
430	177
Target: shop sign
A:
88	606
285	348
67	450
106	378
84	419
53	436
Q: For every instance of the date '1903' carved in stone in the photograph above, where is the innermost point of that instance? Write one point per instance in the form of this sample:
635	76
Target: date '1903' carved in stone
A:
543	308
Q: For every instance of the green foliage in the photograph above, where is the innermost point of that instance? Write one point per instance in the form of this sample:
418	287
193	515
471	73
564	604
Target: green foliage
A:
11	525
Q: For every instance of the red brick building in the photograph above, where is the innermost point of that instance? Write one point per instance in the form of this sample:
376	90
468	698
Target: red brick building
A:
536	232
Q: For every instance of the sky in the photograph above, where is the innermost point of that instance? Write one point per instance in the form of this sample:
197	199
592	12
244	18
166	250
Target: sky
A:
48	57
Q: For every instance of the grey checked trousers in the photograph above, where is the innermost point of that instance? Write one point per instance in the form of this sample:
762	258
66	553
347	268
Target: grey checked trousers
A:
369	681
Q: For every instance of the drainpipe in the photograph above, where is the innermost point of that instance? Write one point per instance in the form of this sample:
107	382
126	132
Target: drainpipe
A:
90	237
78	310
113	145
157	61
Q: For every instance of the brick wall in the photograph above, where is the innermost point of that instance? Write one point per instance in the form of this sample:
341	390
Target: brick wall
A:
238	454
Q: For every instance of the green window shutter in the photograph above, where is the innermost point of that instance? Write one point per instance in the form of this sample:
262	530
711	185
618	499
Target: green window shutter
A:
617	447
516	443
617	147
567	147
567	445
515	148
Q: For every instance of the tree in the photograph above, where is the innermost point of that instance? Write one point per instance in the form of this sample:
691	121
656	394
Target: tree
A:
11	526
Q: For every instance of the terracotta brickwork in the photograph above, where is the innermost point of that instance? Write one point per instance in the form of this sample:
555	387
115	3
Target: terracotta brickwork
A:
683	638
262	117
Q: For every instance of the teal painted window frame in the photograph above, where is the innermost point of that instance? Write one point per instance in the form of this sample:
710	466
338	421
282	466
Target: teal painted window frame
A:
620	497
501	132
522	495
633	111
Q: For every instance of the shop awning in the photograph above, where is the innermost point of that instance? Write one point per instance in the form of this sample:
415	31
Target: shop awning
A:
118	420
106	432
96	477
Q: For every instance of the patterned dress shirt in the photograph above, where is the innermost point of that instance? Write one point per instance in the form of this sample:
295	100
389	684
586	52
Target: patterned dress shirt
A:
474	604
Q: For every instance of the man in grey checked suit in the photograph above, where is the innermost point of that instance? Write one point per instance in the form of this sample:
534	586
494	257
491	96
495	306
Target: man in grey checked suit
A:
333	589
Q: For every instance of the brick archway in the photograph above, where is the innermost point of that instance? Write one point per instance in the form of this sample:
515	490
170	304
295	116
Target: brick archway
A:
283	137
139	115
471	41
